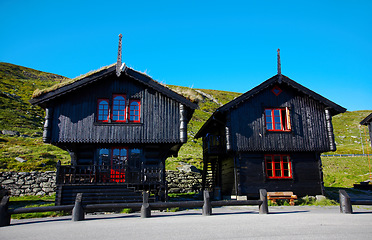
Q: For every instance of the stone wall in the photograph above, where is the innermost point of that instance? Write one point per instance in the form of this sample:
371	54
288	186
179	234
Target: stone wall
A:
28	183
44	183
183	182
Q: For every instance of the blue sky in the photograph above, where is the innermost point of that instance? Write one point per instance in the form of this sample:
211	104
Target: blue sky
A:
224	45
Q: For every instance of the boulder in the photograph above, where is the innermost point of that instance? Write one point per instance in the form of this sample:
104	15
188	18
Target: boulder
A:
10	133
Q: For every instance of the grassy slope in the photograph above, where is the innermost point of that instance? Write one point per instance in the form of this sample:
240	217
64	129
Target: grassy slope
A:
16	113
18	83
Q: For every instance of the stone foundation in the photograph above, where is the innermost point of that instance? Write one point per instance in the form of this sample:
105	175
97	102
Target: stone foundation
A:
29	183
44	183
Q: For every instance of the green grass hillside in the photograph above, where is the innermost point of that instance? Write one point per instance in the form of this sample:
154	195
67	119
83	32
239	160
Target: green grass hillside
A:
17	114
18	83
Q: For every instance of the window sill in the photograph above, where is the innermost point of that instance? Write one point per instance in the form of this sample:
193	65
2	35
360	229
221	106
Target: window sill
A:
279	131
117	124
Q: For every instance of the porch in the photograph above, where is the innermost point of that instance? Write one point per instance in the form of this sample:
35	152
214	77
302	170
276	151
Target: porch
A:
107	184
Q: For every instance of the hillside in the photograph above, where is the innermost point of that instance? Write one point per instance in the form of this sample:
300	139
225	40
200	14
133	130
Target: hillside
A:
16	114
18	83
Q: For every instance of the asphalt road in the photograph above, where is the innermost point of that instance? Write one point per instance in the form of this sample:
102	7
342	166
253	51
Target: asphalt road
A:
298	222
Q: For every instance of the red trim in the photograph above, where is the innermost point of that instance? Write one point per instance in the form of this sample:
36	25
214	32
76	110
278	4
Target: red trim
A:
276	90
134	114
276	120
278	168
118	112
117	173
102	110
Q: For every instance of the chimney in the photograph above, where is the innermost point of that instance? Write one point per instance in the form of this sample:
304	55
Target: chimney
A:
279	64
118	63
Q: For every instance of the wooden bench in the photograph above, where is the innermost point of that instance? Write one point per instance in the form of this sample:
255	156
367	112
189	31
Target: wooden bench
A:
273	196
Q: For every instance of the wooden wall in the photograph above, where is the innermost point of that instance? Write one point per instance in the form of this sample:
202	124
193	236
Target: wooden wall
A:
309	132
227	176
74	115
306	175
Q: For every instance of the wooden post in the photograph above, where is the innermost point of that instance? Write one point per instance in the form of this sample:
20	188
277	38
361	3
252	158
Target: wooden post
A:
145	209
263	208
207	207
4	214
78	211
345	203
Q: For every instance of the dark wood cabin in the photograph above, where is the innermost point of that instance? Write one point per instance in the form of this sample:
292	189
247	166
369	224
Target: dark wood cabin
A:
368	122
270	137
118	130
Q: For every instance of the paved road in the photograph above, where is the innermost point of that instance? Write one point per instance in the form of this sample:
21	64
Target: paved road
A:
226	223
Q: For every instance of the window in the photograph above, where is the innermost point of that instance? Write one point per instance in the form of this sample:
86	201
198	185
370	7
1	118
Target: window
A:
277	119
119	157
278	166
135	158
103	110
118	108
104	157
134	111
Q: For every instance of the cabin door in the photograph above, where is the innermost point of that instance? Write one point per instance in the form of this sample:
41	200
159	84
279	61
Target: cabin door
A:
119	164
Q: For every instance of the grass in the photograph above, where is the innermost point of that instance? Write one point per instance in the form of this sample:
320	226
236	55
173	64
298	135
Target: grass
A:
34	201
344	171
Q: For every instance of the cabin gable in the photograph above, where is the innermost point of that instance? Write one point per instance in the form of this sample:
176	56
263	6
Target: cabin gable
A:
304	116
74	115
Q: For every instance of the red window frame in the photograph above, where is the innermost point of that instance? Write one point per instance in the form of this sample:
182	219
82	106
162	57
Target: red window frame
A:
103	113
277	119
119	108
134	114
278	166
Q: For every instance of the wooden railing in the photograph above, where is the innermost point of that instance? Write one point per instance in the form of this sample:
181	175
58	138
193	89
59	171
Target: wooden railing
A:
346	202
213	144
78	210
85	174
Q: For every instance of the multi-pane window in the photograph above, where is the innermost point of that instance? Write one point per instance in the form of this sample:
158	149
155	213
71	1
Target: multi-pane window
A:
118	108
103	110
134	111
120	111
277	119
278	166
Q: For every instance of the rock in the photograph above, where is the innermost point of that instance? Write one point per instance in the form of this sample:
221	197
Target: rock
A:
320	197
8	181
174	190
10	133
41	193
20	159
188	168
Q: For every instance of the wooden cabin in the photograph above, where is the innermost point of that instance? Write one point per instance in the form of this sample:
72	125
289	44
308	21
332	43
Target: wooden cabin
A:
119	126
270	137
368	122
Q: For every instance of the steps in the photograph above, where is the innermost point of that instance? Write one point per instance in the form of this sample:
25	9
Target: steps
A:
97	194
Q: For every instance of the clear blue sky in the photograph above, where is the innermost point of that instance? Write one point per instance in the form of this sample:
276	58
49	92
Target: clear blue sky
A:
224	45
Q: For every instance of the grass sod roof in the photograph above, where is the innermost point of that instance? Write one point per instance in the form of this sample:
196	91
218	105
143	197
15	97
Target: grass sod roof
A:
38	92
40	96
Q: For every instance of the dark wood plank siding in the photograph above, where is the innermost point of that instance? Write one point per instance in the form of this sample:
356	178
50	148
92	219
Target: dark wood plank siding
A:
305	169
309	132
227	180
74	118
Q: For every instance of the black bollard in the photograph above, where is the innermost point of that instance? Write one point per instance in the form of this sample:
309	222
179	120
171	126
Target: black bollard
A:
145	209
4	214
78	211
345	202
264	207
207	207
